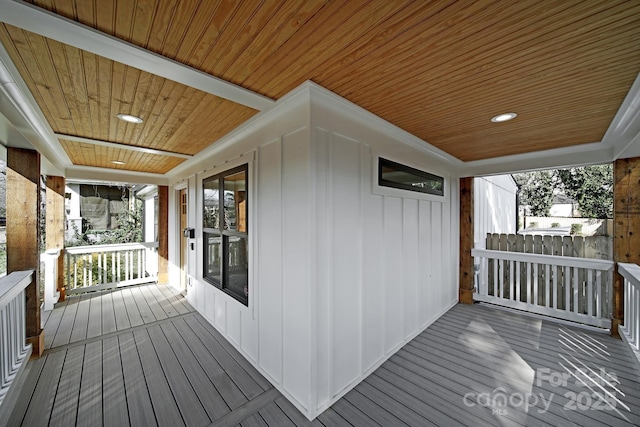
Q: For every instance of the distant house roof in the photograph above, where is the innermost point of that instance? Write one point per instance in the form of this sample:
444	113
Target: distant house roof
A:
561	199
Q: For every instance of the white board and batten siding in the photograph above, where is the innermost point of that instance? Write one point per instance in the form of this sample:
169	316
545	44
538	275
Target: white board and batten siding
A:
494	207
343	273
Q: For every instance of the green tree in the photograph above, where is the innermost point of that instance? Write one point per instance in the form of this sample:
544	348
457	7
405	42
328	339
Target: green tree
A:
591	187
536	190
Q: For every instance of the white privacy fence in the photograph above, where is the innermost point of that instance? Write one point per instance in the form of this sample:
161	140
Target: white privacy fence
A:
96	267
631	328
570	288
14	352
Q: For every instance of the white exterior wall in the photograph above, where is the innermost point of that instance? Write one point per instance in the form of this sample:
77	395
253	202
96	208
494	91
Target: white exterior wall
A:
494	207
342	273
386	258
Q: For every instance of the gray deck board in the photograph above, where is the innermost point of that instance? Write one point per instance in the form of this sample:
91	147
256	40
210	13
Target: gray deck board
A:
254	421
108	313
212	401
133	313
292	413
481	365
331	418
44	392
81	323
120	311
274	416
174	298
90	400
378	415
114	401
65	406
141	303
164	405
140	356
53	322
152	302
190	406
229	363
553	340
352	414
34	368
63	334
94	326
163	301
232	395
231	350
485	370
393	406
136	389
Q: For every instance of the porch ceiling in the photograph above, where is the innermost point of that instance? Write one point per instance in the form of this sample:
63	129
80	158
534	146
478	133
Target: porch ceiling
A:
440	70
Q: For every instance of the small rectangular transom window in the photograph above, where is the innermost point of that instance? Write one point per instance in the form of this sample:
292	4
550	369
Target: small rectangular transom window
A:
396	175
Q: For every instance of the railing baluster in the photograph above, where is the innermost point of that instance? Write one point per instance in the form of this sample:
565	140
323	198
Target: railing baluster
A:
534	289
14	352
564	287
577	297
590	292
567	288
633	312
518	275
104	266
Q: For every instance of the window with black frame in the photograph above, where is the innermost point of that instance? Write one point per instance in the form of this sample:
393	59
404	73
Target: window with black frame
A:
226	234
403	177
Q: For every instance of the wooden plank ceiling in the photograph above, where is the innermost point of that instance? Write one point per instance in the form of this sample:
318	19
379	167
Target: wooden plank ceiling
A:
438	69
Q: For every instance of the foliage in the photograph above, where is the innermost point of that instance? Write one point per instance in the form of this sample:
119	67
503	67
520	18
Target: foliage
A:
576	229
536	191
128	230
590	186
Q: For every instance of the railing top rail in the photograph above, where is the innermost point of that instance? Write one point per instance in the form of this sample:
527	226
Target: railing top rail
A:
631	272
564	261
12	284
75	250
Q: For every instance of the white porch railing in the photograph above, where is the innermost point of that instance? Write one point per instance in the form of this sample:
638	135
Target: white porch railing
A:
98	267
631	328
14	351
575	289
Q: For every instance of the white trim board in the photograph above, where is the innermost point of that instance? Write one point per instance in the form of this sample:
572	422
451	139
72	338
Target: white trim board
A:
25	115
96	174
72	33
120	146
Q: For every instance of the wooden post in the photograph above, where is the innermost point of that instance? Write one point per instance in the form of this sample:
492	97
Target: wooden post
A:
465	295
163	234
626	228
23	232
55	224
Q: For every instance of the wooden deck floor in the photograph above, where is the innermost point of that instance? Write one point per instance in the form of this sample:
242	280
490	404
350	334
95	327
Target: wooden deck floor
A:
142	356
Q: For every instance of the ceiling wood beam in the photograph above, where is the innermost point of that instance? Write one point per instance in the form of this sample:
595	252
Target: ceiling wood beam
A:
121	146
47	24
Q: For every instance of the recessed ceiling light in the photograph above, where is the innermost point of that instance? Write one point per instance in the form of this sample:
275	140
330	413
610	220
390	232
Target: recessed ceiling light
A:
117	162
129	118
503	117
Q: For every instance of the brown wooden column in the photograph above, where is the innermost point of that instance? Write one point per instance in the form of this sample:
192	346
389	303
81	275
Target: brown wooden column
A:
55	224
23	232
163	234
466	241
626	228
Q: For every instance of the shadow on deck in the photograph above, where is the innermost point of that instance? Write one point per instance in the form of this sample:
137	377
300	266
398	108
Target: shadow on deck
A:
142	356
